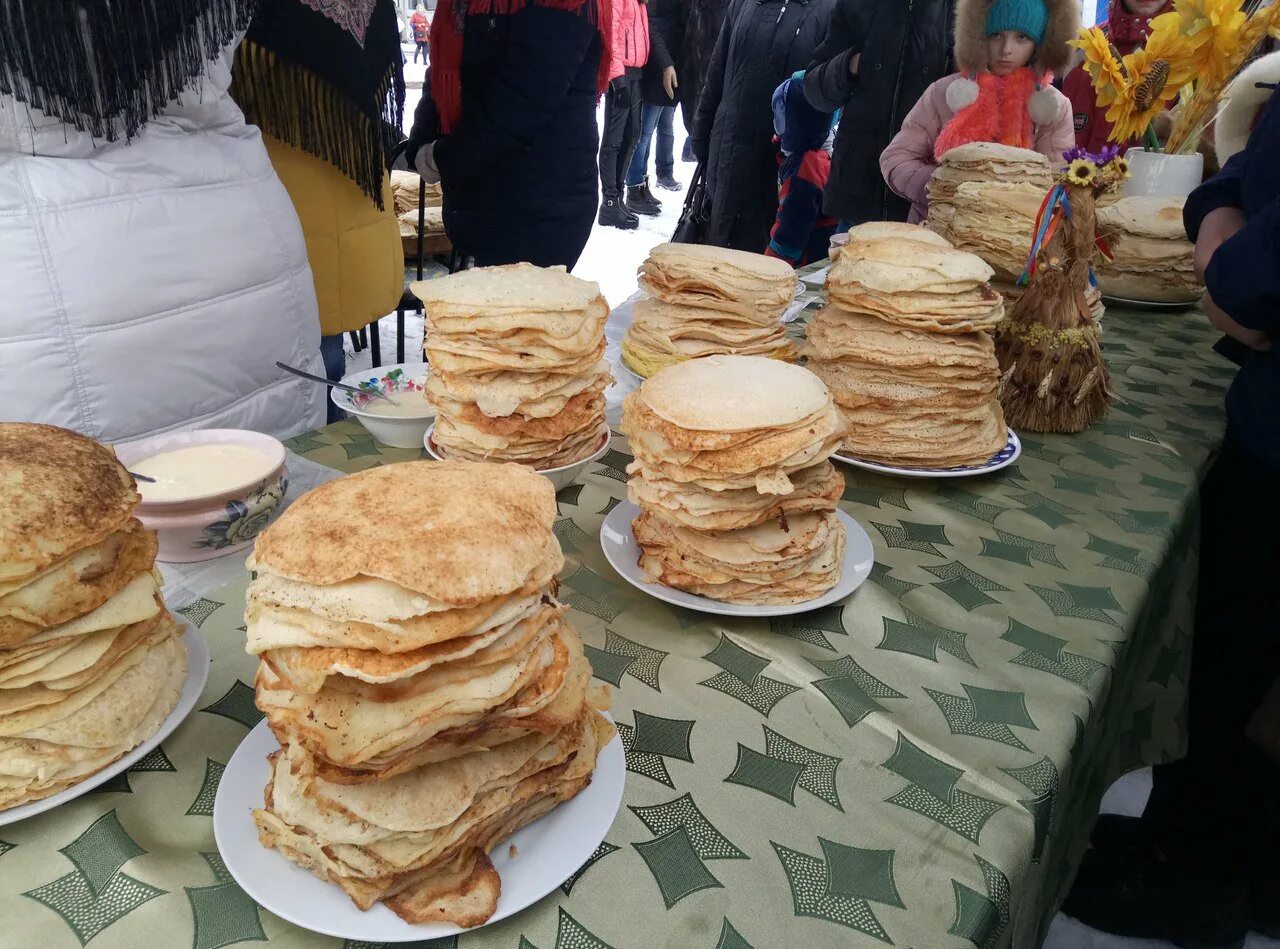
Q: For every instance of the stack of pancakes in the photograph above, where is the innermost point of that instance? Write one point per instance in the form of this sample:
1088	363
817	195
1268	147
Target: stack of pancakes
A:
906	350
517	364
90	660
986	163
737	497
428	694
1154	261
708	300
915	283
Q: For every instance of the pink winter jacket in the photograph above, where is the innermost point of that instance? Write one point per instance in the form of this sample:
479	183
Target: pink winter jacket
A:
907	164
630	36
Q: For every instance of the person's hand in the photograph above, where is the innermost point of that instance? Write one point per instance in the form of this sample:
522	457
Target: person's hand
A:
1217	226
1222	321
854	61
669	81
425	163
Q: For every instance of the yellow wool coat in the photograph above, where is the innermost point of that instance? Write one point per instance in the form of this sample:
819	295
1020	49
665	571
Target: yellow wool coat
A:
357	260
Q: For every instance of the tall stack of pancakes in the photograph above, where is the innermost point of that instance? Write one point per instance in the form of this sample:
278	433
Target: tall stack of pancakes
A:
517	364
986	163
427	692
905	347
90	661
997	221
1153	261
737	497
707	300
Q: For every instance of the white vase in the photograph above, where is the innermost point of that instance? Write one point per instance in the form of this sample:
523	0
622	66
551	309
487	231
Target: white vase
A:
1157	175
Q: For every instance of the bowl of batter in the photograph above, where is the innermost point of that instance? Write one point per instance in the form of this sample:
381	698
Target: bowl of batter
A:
401	425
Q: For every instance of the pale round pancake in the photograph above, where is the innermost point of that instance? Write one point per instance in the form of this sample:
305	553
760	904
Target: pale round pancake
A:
514	286
734	394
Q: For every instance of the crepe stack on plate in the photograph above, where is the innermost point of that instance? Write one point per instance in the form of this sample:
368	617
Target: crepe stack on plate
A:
405	188
916	284
428	693
90	661
987	163
707	300
517	364
910	398
737	497
1154	261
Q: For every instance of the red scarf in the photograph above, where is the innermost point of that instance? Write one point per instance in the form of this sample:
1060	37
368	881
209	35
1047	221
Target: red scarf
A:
999	114
1127	30
447	28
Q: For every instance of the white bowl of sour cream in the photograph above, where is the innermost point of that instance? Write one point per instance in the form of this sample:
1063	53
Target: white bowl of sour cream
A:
213	491
398	426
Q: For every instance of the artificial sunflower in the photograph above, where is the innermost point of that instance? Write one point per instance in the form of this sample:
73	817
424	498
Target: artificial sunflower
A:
1156	71
1103	64
1214	28
1081	172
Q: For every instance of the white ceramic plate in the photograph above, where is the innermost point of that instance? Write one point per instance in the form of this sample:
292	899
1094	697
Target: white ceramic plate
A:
560	477
623	553
197	674
1007	455
548	852
1150	304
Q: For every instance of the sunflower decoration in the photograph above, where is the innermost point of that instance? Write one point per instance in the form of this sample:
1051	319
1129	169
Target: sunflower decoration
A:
1103	63
1081	172
1215	29
1156	73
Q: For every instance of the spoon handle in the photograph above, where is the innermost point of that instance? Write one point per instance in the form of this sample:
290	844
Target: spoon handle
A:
329	382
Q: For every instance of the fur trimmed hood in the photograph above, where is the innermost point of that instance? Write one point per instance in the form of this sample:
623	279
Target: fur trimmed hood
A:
1244	103
1053	54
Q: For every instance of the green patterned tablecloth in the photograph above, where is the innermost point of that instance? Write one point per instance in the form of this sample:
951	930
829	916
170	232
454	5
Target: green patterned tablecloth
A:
918	767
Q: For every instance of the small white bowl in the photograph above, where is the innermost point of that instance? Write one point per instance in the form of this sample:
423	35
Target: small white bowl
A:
392	430
560	478
202	527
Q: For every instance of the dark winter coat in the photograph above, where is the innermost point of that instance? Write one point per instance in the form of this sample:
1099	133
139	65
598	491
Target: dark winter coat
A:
700	28
664	50
519	170
761	43
905	46
1243	278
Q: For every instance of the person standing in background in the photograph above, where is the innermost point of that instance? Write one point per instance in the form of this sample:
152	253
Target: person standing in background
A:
1127	27
153	266
699	23
623	112
659	86
1007	51
801	233
907	45
507	125
328	94
761	43
420	24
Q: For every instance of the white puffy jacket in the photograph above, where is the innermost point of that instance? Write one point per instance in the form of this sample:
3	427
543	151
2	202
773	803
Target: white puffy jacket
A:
151	285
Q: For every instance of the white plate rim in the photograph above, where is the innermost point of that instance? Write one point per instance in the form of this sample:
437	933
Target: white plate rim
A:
619	550
192	686
608	781
1150	304
967	472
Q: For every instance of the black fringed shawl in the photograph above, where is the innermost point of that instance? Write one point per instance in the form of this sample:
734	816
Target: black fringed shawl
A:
326	76
107	66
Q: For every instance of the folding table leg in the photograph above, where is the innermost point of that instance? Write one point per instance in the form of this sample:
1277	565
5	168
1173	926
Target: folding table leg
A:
375	344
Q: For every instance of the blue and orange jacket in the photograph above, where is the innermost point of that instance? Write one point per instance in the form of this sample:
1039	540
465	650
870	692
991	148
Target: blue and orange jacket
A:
801	233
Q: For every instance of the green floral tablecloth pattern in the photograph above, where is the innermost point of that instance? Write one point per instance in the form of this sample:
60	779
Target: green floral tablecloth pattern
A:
917	767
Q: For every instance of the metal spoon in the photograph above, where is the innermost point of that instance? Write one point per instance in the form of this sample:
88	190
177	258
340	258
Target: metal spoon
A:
337	385
138	477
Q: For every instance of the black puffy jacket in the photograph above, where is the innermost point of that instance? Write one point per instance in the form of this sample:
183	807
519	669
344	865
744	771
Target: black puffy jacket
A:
761	43
519	170
905	45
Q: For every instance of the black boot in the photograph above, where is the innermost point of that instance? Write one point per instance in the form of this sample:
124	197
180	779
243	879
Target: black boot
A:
640	200
668	182
613	214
